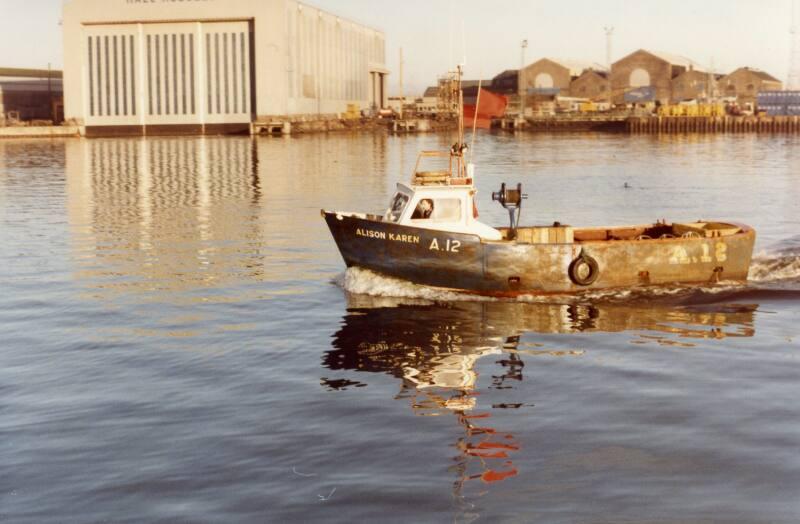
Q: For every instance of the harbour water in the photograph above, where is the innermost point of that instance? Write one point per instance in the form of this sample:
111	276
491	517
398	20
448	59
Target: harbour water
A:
179	341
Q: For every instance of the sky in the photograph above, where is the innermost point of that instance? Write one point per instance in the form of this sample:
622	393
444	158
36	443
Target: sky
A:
486	35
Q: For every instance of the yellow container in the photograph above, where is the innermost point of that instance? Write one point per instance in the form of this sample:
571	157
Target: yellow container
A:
353	112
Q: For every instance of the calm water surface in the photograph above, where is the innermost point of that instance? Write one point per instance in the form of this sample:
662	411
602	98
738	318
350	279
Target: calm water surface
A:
179	341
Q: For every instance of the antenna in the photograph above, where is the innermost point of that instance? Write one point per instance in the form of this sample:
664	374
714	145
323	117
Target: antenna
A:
463	44
400	78
609	30
450	26
793	78
520	84
475	119
609	33
712	81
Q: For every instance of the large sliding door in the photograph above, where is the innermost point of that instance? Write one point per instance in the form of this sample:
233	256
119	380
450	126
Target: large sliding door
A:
168	74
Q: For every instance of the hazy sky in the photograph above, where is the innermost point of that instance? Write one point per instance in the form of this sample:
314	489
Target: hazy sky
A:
729	33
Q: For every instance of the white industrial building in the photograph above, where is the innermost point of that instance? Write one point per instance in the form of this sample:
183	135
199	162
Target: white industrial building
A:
214	66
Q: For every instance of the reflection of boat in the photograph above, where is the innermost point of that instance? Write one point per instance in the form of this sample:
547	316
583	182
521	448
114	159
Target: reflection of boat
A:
378	327
434	351
430	235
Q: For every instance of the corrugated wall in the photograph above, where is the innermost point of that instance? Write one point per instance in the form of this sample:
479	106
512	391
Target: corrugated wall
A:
330	60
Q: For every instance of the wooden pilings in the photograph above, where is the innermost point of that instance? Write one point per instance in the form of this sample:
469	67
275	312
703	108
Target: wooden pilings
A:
577	123
714	124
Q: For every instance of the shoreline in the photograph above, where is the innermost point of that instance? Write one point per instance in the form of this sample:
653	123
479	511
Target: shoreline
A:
632	125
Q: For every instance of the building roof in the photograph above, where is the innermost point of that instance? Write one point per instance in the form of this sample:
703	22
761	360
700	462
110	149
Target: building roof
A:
675	59
507	72
30	85
15	72
693	73
758	73
433	91
575	67
474	83
601	74
667	57
331	13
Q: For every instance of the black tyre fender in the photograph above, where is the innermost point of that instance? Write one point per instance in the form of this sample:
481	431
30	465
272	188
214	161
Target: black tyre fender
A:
584	270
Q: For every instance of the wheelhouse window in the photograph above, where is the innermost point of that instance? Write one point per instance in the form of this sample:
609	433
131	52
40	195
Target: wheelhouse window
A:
396	207
438	210
423	210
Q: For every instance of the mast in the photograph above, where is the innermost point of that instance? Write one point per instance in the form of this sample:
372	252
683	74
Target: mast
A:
402	98
460	145
460	109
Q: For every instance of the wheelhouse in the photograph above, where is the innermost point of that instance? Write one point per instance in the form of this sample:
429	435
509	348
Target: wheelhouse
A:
436	199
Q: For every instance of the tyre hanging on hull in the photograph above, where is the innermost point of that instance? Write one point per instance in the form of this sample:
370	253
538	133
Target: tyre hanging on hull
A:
584	270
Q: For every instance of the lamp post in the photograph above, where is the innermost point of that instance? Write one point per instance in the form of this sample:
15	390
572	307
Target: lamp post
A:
609	33
520	83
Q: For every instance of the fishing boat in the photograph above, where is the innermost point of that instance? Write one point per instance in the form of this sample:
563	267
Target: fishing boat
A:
430	234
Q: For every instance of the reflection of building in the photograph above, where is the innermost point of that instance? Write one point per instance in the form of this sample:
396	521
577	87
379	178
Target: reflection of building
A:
165	213
212	66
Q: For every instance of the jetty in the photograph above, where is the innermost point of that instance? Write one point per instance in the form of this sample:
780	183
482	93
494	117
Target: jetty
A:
657	124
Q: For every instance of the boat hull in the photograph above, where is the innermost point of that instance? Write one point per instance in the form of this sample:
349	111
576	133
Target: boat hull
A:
507	268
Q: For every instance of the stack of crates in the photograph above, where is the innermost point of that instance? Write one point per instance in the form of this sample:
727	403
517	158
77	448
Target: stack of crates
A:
353	112
779	103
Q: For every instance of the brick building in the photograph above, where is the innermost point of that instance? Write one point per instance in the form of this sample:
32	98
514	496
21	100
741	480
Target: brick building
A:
30	94
554	76
642	69
745	83
592	84
506	83
694	84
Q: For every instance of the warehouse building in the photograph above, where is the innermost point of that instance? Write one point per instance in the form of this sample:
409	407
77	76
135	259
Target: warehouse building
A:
745	83
647	71
592	84
214	66
552	76
506	83
30	94
694	84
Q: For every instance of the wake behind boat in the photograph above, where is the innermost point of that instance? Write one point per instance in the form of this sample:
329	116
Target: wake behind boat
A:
430	235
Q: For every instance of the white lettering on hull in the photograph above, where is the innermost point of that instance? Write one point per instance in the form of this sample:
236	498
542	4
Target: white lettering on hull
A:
369	233
382	235
451	246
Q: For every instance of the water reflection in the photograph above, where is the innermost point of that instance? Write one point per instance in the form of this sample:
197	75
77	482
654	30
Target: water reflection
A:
155	215
434	350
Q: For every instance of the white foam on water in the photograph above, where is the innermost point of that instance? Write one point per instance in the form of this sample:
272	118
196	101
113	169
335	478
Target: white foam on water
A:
361	281
765	268
773	267
365	282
